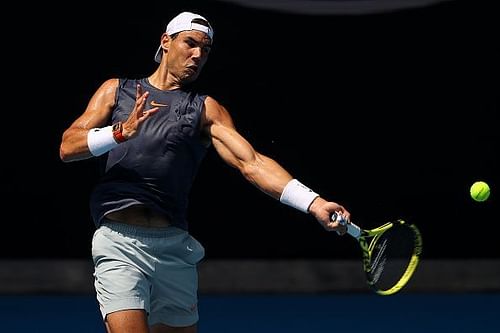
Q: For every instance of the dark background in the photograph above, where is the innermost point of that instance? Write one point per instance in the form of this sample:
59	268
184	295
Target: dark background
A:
392	114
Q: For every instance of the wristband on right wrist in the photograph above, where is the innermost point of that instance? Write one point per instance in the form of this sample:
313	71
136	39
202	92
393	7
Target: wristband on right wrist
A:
101	140
297	195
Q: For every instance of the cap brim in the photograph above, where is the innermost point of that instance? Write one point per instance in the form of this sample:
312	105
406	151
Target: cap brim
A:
159	54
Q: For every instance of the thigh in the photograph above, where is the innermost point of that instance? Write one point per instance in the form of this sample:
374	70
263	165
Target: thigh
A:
127	321
120	275
174	294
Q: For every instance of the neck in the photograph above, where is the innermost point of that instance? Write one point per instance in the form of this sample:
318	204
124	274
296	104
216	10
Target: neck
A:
162	80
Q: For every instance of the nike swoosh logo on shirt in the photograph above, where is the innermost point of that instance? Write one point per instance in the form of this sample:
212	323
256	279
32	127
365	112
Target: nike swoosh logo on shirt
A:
153	103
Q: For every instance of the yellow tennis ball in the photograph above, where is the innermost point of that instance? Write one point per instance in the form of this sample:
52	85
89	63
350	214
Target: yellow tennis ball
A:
480	191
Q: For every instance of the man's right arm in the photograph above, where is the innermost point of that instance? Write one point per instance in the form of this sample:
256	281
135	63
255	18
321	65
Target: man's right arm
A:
74	144
87	137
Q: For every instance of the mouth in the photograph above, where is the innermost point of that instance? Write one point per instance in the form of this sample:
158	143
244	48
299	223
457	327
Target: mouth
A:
192	68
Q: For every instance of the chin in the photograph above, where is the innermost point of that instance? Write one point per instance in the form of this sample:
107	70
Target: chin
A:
190	78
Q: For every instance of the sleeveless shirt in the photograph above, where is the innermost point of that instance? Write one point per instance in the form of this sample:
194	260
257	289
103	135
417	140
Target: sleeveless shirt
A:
157	167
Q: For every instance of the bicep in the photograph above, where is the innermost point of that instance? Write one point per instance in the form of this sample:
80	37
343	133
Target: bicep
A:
74	139
236	151
99	108
231	146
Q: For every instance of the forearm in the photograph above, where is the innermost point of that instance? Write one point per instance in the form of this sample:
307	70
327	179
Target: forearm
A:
266	174
74	145
272	179
80	143
262	171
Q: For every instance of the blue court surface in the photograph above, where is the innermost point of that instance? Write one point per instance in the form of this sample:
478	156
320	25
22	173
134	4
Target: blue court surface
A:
277	313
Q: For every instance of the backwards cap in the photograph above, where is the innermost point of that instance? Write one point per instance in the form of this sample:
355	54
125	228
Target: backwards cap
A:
183	22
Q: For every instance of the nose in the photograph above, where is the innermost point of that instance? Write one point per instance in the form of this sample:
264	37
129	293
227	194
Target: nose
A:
197	52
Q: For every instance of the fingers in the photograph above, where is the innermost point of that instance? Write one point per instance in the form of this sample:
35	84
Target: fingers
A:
140	101
339	221
147	113
340	225
138	92
332	216
335	224
140	104
138	114
344	213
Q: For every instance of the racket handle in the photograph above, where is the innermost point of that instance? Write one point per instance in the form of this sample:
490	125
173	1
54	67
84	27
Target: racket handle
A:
352	229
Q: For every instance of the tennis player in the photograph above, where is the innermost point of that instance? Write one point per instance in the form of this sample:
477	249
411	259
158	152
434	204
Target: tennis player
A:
152	134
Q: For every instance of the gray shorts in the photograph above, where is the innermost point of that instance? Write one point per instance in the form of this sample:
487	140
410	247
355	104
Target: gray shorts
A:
150	269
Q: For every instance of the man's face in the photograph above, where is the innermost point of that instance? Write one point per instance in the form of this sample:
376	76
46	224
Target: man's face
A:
187	54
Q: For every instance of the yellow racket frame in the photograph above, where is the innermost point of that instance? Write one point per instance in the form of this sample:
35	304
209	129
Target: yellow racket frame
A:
367	249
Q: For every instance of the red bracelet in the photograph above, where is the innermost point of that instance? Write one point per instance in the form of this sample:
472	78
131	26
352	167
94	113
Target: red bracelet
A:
117	132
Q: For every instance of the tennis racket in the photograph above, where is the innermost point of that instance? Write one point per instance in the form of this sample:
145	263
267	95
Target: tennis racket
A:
391	253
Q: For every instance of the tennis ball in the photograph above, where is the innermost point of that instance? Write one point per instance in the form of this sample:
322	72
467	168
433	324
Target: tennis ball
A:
480	191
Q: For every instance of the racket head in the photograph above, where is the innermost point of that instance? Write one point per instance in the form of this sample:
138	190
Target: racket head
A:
391	254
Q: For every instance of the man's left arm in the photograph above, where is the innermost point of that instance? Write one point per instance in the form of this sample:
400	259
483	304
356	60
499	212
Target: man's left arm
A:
263	172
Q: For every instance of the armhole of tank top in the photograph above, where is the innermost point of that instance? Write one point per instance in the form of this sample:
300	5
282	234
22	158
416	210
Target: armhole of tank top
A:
205	140
121	83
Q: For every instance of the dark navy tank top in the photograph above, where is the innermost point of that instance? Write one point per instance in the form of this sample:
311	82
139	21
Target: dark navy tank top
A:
157	167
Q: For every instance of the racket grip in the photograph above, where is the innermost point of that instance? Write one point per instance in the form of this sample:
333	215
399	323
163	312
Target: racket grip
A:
352	229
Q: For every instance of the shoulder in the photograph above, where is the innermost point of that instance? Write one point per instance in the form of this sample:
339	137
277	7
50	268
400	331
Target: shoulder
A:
123	83
215	112
211	104
107	92
109	86
113	83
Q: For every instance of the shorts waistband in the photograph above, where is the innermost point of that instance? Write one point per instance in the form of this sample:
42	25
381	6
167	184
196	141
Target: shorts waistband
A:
134	230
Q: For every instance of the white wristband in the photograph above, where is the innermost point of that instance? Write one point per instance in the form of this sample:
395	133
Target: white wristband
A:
298	196
101	140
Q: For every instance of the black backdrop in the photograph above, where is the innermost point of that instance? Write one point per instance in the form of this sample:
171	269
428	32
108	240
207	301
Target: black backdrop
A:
391	114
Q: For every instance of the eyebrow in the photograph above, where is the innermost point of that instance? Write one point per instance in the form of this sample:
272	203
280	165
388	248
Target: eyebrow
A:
199	42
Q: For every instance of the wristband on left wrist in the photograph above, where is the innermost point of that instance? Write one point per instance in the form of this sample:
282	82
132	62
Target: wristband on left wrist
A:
298	196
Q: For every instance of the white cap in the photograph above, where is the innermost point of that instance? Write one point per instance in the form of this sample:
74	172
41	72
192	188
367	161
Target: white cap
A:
183	22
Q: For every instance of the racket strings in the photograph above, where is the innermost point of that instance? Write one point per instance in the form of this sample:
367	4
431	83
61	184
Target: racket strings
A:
392	253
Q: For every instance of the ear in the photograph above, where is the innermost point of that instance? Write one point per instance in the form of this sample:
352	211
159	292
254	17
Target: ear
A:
165	41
